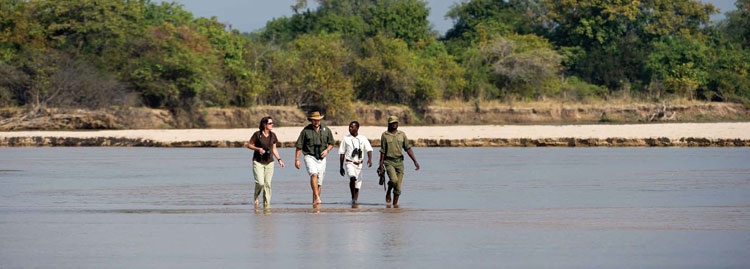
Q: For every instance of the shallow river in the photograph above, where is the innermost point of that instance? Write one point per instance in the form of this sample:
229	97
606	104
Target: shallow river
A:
466	207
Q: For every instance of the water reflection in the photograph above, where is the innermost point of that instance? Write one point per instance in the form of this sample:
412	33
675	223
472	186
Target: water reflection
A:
316	208
265	229
392	233
524	207
265	210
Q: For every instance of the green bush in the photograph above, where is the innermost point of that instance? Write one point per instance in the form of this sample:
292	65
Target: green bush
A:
577	89
320	77
523	65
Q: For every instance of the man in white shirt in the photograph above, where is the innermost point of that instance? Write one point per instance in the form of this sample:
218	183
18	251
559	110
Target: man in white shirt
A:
352	147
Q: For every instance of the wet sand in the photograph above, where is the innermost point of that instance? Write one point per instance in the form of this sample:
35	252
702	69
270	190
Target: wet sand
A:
666	134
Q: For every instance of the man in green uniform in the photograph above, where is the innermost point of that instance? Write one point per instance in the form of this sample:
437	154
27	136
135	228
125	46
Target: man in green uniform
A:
392	142
315	141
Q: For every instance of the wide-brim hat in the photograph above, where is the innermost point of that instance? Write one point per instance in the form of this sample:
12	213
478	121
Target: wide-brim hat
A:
392	119
315	115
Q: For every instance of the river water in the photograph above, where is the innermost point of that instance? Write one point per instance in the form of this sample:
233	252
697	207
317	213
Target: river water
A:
466	207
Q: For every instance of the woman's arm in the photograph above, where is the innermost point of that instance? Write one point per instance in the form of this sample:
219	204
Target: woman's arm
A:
276	153
251	145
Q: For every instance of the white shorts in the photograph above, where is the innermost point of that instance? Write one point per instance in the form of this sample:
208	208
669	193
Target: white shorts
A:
354	170
316	167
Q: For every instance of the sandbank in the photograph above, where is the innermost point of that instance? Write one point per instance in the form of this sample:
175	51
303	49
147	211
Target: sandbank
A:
662	134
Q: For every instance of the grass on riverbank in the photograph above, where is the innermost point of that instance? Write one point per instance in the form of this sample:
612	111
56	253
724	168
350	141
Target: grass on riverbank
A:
554	103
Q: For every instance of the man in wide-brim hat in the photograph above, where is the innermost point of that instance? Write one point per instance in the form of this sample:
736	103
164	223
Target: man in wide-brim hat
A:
315	141
315	115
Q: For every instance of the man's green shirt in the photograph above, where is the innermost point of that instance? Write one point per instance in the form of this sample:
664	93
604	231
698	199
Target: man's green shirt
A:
393	145
312	142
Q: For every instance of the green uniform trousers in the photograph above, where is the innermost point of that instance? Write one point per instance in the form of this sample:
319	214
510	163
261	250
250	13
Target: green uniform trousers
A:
395	170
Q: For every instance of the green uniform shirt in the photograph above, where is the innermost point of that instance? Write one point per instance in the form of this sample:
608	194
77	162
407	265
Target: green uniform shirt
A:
313	143
393	145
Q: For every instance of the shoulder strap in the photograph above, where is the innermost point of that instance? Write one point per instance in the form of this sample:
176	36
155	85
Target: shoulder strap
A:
359	144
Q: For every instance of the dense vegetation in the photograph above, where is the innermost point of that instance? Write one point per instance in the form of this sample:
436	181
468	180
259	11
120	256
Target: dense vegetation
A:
90	53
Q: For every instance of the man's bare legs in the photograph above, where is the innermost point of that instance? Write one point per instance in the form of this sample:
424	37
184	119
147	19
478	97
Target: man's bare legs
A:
320	191
315	188
353	189
388	193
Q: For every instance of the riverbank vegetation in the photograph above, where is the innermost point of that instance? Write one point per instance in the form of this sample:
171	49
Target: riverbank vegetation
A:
92	54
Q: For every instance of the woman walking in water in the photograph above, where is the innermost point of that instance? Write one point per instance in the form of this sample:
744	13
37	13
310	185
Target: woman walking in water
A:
263	142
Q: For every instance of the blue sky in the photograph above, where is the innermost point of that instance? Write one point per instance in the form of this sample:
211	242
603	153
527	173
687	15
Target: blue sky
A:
251	15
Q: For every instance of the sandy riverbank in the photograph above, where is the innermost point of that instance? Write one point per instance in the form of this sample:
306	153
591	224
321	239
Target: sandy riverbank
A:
668	134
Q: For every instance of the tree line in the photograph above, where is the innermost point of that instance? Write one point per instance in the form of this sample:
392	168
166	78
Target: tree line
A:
93	53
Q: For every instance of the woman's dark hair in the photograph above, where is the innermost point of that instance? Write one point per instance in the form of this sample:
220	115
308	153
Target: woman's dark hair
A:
263	122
